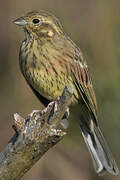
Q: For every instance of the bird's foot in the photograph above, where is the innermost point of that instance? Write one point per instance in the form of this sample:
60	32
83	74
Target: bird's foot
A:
54	104
34	111
64	121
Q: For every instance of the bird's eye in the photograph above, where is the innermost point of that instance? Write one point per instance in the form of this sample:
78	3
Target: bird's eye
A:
36	21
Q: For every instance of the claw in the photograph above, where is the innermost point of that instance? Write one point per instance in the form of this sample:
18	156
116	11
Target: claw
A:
34	111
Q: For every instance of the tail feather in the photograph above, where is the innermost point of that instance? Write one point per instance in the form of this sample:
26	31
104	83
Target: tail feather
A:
100	153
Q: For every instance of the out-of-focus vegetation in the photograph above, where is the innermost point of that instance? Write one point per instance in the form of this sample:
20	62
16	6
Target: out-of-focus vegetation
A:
95	26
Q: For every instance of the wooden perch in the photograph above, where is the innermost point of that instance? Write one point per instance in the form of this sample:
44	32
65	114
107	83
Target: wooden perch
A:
34	136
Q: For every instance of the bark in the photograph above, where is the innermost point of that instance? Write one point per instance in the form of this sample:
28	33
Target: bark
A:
33	137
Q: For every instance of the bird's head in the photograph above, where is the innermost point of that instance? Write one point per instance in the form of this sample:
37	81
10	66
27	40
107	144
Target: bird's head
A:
39	24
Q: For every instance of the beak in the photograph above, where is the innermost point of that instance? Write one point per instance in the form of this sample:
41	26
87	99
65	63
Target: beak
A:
20	21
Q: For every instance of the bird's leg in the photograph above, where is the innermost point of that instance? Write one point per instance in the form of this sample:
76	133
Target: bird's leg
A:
34	111
50	105
64	121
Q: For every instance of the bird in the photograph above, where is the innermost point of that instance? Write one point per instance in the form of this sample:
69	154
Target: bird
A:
49	60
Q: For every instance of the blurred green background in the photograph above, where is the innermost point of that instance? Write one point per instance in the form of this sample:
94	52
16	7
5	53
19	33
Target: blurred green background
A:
95	27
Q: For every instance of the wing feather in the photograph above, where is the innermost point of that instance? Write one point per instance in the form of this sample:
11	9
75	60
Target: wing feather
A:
83	83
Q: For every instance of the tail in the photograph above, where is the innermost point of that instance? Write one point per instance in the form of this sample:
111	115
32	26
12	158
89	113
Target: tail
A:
100	153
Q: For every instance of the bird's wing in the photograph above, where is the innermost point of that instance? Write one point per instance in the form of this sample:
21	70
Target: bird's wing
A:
83	83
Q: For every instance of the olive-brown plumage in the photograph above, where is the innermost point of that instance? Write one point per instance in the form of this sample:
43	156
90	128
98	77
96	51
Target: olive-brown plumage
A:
49	60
